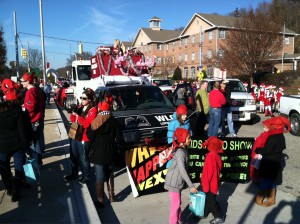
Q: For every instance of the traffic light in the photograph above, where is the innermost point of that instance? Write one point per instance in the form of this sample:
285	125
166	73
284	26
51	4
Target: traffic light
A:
173	59
164	61
24	52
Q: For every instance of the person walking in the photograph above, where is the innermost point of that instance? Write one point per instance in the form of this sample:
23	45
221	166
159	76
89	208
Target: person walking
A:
84	115
34	103
226	110
210	179
216	101
104	134
179	120
202	102
14	139
272	144
48	90
177	174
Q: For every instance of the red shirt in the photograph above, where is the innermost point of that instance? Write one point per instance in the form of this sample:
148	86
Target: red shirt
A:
34	103
216	99
210	178
85	121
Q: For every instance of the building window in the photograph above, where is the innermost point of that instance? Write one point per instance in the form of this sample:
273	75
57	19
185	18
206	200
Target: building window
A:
180	43
209	53
186	41
210	35
167	47
221	34
193	39
193	72
158	60
286	40
173	45
185	72
180	58
158	47
185	57
193	56
155	23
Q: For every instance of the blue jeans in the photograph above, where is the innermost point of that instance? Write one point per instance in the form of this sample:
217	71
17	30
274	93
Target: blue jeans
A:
48	98
19	161
102	172
79	158
38	144
214	121
227	113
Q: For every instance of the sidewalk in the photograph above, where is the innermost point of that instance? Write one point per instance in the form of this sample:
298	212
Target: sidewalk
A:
57	201
53	200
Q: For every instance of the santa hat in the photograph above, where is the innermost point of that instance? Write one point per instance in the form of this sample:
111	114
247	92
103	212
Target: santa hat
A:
281	89
245	84
105	105
10	89
278	122
268	87
181	109
179	136
273	87
262	85
213	144
254	85
28	77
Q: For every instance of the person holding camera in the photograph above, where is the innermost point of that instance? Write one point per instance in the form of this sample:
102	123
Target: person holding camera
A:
84	115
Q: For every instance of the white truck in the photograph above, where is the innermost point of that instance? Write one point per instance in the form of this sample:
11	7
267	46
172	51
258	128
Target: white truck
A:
290	107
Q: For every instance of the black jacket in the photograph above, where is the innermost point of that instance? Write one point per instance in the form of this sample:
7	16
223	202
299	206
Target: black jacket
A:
15	129
272	157
104	142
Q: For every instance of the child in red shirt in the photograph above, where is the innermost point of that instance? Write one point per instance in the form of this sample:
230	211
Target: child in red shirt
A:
210	178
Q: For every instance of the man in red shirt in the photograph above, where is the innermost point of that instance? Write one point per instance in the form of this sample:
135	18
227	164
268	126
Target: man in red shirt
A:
216	101
34	103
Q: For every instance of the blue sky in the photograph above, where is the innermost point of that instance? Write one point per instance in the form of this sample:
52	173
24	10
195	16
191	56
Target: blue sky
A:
95	21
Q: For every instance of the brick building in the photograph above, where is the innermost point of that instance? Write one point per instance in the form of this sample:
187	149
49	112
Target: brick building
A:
204	33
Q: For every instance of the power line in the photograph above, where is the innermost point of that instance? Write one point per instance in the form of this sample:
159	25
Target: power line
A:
63	39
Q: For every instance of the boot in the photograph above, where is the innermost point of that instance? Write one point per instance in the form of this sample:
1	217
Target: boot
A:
271	194
259	198
111	188
16	188
8	185
100	195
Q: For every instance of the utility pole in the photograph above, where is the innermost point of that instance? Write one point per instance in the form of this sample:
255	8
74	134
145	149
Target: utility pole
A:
28	58
16	44
283	37
42	39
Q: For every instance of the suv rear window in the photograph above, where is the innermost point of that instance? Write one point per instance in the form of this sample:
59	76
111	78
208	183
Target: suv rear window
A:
138	97
163	82
234	86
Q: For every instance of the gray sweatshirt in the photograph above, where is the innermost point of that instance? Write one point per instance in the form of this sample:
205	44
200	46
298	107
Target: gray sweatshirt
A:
177	174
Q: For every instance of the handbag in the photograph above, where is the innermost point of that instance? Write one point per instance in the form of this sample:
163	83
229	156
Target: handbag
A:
197	203
29	172
76	131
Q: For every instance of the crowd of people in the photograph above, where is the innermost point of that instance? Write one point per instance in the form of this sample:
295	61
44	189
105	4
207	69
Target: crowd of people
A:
22	112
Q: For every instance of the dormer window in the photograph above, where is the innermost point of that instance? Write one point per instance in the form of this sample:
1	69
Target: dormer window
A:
155	23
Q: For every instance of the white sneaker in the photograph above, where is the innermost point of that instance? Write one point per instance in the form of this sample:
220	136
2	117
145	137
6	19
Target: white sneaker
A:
233	135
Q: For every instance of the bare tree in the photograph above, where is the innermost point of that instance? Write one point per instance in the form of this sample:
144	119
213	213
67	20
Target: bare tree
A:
255	39
2	48
83	56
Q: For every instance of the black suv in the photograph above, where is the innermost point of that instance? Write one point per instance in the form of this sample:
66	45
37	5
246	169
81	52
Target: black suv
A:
143	111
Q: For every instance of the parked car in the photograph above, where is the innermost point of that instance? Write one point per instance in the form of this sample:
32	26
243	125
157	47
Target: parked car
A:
290	107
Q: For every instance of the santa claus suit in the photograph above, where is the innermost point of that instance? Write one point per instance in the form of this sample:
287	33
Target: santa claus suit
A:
261	98
267	101
278	96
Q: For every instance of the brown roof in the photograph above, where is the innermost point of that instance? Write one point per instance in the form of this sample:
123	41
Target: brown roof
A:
161	35
229	21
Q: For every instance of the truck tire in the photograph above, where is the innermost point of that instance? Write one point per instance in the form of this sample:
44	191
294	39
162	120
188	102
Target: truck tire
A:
295	123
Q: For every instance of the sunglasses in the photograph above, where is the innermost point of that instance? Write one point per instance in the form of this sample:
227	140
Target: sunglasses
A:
84	98
23	80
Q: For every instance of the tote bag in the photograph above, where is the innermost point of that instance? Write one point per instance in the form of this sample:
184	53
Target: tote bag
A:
197	203
76	131
29	172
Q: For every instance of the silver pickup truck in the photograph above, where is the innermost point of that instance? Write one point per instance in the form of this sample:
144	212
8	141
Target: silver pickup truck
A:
290	107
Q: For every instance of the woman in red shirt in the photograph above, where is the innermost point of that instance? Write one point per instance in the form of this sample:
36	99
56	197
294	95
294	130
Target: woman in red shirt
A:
84	115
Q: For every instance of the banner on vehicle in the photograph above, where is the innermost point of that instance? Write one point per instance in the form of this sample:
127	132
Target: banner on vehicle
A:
147	165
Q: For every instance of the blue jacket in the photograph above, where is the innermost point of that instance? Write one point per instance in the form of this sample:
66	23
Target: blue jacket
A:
173	124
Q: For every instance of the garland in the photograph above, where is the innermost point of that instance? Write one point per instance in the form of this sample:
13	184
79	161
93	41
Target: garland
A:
109	64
